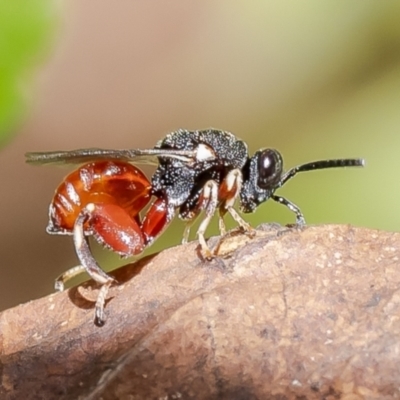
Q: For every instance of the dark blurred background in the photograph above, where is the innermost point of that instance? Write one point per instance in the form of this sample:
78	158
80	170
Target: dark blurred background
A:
313	79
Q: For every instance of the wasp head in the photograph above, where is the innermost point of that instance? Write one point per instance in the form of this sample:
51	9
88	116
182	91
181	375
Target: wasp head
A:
261	177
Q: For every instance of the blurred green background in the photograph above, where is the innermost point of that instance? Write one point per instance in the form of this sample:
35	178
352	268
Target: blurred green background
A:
26	29
313	79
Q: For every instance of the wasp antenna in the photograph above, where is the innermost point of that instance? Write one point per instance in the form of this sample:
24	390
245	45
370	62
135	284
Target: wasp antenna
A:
323	164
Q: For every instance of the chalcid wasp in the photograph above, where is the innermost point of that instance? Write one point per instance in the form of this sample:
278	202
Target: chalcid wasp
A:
111	199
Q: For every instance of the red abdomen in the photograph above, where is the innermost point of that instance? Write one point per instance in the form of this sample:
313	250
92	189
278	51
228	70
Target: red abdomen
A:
103	183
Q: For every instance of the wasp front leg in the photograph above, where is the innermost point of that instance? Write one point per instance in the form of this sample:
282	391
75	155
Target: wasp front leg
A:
228	193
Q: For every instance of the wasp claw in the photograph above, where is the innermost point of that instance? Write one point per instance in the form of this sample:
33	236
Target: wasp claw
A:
59	286
100	319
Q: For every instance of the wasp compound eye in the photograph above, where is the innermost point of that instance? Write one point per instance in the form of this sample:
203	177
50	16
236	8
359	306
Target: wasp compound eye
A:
270	166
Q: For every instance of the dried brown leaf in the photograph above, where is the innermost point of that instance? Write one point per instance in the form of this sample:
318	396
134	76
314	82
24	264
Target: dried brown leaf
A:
290	314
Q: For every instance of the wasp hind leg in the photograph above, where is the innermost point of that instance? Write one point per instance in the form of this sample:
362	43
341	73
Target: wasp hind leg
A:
88	263
66	276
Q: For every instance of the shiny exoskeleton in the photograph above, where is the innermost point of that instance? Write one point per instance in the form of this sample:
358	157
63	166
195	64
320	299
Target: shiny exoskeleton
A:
206	170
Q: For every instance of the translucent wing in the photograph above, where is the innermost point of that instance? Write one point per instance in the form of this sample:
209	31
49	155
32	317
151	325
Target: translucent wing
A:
81	156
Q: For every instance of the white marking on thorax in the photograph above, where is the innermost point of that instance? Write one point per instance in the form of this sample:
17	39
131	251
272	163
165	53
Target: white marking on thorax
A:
204	152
